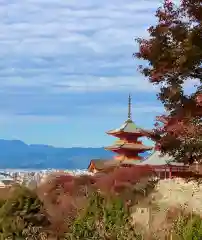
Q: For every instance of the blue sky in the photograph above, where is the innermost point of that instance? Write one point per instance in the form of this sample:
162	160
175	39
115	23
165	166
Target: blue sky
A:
66	69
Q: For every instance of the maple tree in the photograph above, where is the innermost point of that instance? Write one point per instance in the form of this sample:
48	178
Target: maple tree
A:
174	53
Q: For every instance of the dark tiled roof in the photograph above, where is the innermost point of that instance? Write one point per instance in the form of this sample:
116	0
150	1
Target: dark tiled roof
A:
101	163
104	164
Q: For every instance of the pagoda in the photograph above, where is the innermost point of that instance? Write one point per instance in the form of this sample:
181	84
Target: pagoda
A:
128	146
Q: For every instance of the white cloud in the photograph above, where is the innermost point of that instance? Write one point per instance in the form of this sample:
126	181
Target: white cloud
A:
97	84
29	119
48	27
76	83
50	48
138	109
67	60
120	110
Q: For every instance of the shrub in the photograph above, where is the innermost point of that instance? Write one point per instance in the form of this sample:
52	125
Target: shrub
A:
20	212
102	219
64	196
188	227
127	176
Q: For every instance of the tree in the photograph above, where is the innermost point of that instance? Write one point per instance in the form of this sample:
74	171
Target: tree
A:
22	216
174	54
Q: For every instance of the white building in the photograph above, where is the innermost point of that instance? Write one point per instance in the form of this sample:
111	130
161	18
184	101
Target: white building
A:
5	181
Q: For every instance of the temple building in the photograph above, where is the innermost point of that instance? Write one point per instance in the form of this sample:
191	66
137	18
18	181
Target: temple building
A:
127	148
164	165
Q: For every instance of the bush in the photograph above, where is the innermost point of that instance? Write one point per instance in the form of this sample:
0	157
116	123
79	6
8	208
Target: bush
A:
188	227
21	212
65	196
103	219
85	207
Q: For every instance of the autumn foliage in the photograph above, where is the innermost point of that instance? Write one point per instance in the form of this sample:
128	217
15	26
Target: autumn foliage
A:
67	207
101	206
174	53
64	196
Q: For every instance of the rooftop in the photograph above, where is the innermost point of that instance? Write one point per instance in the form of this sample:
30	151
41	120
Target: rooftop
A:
157	159
101	164
130	146
129	127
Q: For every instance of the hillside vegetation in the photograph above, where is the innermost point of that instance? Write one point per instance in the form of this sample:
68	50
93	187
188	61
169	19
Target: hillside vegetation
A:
127	203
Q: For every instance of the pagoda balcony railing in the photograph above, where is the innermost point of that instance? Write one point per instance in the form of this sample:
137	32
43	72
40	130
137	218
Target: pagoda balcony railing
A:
125	141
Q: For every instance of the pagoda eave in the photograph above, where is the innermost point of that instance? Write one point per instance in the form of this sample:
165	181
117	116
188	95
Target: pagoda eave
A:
129	148
123	133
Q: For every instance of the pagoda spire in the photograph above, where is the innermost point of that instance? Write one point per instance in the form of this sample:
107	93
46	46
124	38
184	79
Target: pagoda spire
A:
128	146
129	107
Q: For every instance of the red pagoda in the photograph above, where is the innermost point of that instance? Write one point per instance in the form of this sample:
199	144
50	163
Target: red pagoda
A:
128	147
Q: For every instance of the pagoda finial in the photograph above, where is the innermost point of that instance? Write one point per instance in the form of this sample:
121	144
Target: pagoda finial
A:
129	106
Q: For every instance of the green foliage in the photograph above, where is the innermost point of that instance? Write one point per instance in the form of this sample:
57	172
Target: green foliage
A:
103	219
2	201
188	227
100	213
20	212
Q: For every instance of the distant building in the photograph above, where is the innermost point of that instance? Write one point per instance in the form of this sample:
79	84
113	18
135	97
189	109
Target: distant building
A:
6	180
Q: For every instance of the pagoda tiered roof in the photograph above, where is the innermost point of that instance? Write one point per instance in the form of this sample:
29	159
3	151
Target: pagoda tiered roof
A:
129	146
128	134
128	127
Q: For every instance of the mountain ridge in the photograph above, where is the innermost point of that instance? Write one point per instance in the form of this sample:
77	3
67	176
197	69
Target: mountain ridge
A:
17	154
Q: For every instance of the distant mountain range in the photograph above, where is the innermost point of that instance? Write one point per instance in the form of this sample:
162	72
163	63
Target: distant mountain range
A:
17	154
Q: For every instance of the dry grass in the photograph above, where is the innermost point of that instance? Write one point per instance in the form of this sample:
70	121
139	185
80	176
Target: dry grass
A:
172	197
178	192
